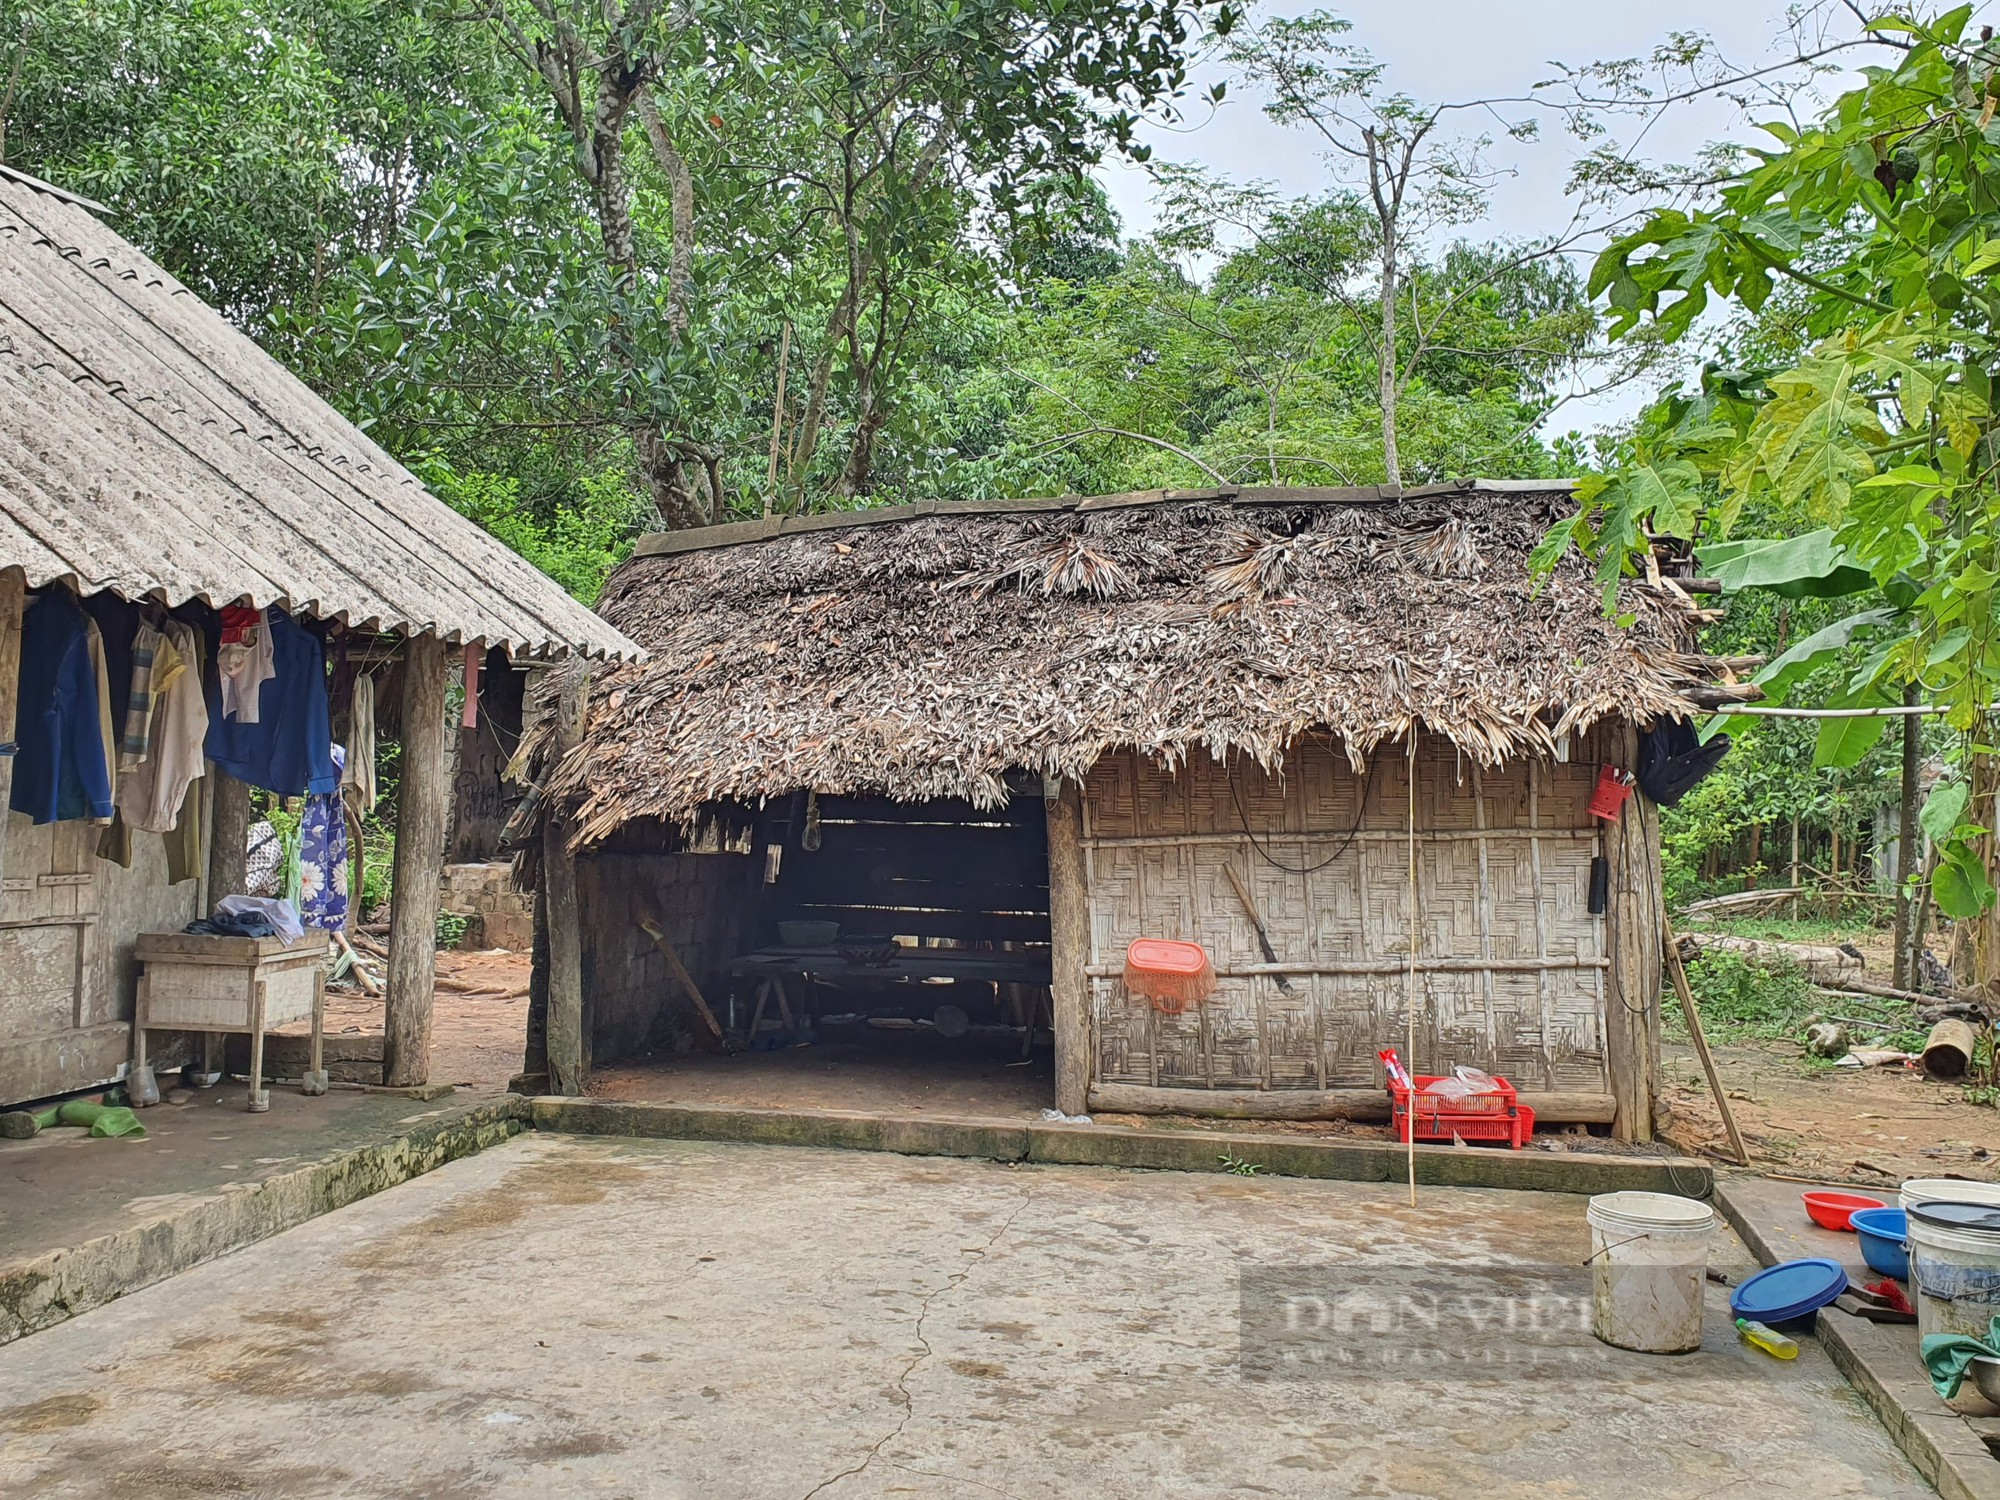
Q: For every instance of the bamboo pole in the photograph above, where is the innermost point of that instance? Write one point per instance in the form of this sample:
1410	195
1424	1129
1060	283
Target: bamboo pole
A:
1678	971
1410	979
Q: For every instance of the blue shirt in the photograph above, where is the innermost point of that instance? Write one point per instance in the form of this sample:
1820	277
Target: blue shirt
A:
59	770
289	750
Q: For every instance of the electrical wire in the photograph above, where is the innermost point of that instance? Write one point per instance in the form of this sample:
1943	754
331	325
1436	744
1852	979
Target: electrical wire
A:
1360	812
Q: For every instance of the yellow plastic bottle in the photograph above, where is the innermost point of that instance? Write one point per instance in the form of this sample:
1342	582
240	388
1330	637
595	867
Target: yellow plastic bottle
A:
1769	1340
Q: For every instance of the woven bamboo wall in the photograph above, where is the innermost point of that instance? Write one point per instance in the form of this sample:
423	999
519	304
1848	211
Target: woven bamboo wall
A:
1511	970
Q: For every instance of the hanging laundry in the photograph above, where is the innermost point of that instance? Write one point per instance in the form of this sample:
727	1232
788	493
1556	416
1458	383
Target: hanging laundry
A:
323	859
151	794
60	769
287	748
358	778
245	661
154	664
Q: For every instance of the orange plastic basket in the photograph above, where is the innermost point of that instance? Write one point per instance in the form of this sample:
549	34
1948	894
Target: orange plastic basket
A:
1175	976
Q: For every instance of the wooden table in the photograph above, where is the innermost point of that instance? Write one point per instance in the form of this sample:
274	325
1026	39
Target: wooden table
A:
772	967
199	982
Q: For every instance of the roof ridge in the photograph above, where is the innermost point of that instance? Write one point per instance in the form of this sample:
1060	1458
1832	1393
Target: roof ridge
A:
739	533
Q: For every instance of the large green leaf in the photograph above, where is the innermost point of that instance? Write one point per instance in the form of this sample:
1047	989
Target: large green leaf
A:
1843	742
1943	808
1961	887
1778	677
1794	567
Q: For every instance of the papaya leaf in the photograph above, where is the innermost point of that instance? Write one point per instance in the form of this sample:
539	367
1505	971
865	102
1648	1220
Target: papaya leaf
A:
1943	808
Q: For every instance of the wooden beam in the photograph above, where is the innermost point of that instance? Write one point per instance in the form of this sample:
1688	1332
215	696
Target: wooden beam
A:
13	595
649	925
421	796
1069	930
1316	1104
560	907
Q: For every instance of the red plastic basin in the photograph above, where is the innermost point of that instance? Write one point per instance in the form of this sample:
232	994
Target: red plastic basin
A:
1832	1210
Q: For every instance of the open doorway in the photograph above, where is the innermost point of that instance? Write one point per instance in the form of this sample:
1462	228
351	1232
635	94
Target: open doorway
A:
853	952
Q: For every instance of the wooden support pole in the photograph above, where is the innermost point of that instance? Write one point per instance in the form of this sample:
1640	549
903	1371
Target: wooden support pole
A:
649	924
566	1050
1692	1013
1069	933
1632	928
228	836
420	813
13	594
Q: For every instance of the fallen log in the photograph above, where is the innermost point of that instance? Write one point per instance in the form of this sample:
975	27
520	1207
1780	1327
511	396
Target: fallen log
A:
1822	963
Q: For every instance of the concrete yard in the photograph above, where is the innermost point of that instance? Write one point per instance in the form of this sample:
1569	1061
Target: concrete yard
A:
564	1316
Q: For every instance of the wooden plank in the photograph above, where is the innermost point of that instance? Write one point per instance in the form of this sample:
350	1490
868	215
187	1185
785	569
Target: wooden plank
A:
1021	811
1069	931
970	927
559	901
421	801
675	967
1315	1104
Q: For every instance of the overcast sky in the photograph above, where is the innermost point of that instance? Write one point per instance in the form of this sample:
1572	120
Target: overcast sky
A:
1458	49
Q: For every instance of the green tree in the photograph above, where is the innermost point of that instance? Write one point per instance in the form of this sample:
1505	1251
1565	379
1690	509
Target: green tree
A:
1877	219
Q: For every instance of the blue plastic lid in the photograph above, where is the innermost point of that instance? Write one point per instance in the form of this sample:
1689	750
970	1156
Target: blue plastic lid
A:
1789	1291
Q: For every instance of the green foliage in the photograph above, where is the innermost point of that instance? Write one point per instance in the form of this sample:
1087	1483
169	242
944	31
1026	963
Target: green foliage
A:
451	928
575	541
1875	432
1741	1000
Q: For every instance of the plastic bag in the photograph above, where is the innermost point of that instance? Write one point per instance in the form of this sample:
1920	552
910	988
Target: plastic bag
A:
1475	1081
1449	1088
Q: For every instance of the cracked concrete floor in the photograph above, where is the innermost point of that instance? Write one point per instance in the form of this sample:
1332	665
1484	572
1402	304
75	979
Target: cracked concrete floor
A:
568	1316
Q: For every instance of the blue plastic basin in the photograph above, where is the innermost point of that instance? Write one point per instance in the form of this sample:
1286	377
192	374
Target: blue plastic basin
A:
1883	1234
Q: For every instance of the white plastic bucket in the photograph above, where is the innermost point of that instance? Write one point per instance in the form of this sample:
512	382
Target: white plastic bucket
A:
1649	1270
1921	1190
1955	1274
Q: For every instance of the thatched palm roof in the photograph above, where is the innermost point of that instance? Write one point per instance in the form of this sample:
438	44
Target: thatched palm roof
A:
924	652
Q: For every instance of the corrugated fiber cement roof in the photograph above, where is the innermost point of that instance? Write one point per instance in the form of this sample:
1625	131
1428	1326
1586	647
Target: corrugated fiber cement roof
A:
150	447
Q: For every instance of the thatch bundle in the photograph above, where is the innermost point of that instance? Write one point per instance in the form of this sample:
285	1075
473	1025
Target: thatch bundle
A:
925	657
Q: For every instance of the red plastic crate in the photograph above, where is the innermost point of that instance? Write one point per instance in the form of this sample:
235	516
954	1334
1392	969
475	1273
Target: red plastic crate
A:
1498	1116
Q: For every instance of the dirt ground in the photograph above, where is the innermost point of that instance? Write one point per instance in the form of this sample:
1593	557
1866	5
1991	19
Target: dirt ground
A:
560	1316
1873	1125
479	1017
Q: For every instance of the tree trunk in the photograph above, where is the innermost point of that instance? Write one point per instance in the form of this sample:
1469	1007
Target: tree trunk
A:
566	1049
1756	856
1392	462
1905	967
228	836
420	816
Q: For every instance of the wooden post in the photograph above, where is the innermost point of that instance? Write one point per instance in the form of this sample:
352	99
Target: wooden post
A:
420	809
1903	967
1633	925
566	1050
13	597
1069	934
228	836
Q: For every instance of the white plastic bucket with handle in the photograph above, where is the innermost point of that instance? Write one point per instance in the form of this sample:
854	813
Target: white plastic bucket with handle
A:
1649	1270
1921	1190
1955	1276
